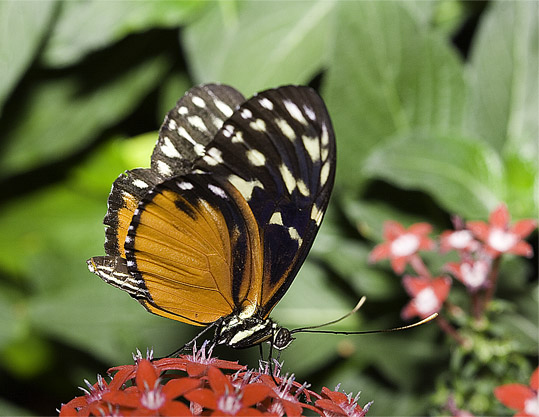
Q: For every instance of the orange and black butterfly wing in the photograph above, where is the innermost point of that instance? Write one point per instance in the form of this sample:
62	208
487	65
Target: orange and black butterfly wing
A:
185	132
278	150
183	136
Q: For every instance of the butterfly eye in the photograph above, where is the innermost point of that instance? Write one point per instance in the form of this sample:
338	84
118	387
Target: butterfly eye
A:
282	339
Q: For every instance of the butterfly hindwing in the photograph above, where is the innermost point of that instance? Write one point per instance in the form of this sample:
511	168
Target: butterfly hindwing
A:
194	244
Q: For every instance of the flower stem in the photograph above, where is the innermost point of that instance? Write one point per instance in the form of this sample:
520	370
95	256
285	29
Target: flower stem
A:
489	293
450	330
419	266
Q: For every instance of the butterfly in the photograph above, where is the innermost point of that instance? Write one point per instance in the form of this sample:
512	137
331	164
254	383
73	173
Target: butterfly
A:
215	231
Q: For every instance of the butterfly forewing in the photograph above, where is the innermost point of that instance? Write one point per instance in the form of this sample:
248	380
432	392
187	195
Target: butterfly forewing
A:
278	150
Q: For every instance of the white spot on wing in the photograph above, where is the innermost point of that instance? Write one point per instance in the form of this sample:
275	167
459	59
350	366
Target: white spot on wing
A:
168	148
256	157
223	108
246	114
199	102
213	157
183	110
285	128
172	125
184	185
140	184
295	112
238	137
264	102
288	178
197	122
316	215
244	187
276	218
295	235
312	145
302	188
309	112
324	173
217	191
258	125
164	168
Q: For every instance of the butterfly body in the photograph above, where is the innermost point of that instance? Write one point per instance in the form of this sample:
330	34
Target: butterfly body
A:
215	231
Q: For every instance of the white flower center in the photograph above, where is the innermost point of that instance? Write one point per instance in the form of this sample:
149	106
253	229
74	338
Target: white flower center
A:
531	406
405	245
501	240
460	239
474	274
153	399
426	301
229	404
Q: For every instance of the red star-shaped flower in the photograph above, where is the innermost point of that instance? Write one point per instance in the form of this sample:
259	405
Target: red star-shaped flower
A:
226	400
472	273
428	295
402	244
462	240
335	403
149	397
520	397
500	237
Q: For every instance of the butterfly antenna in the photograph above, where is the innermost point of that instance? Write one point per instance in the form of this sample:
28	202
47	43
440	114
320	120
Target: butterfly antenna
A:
394	329
355	309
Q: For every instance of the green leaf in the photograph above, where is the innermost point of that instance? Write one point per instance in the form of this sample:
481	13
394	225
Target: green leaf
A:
388	76
23	26
503	79
259	45
87	26
465	176
61	117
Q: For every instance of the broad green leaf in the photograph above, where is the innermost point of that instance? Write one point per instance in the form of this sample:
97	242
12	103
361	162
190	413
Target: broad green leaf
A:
23	26
261	44
522	176
388	76
503	79
465	176
87	26
61	118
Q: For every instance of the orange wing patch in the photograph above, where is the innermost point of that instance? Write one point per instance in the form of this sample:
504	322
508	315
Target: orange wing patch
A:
193	261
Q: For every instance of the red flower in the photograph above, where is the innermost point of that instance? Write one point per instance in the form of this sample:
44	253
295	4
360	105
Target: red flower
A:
428	295
224	399
150	397
520	397
473	274
89	404
459	240
402	244
500	237
335	403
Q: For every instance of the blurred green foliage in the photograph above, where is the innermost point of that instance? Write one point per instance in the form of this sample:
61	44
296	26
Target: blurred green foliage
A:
435	109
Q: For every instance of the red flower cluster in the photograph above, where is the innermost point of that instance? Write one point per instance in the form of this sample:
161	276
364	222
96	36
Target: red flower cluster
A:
478	244
196	385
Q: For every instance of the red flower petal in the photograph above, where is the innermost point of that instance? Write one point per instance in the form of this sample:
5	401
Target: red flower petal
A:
523	228
175	408
255	393
499	217
125	398
479	229
413	285
522	248
398	264
68	410
393	230
180	386
513	395
441	286
219	383
409	311
203	396
420	228
380	252
146	374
